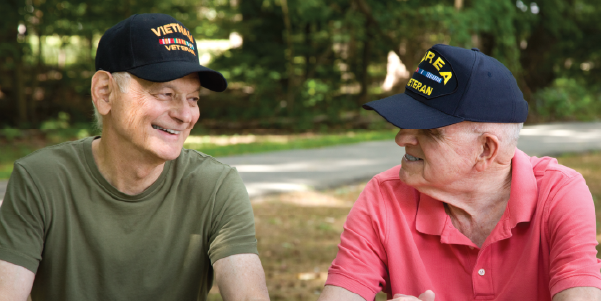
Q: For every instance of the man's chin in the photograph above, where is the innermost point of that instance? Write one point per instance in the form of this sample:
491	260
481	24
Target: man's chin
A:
168	154
407	178
166	150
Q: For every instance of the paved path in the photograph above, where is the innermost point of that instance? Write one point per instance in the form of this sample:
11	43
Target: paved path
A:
2	189
298	170
333	166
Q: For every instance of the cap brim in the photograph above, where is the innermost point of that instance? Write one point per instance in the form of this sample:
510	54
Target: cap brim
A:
407	113
168	71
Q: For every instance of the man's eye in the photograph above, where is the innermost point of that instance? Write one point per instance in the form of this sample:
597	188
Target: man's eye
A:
164	95
433	133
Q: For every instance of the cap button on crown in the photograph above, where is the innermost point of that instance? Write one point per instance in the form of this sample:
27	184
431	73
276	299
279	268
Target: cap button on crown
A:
476	49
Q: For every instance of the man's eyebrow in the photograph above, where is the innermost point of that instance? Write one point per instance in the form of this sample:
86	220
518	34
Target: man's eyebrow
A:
163	85
435	132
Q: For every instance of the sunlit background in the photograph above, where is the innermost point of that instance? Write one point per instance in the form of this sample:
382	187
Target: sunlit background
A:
305	65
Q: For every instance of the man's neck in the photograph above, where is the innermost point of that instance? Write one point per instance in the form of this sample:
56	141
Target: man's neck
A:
123	167
476	211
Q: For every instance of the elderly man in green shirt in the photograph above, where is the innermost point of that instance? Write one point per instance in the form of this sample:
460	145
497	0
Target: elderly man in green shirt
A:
131	215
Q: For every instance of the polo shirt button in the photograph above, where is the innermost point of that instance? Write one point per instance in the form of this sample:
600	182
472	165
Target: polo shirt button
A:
481	272
471	248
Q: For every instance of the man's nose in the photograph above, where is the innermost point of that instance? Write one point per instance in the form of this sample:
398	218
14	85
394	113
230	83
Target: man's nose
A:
406	137
181	110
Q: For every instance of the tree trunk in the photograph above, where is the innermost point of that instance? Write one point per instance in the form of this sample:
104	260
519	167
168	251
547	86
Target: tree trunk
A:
20	88
90	42
289	58
127	8
488	43
538	73
458	4
367	45
307	37
373	23
36	75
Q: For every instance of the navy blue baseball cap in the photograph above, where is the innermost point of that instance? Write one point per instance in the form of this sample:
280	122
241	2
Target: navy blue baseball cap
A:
452	85
154	47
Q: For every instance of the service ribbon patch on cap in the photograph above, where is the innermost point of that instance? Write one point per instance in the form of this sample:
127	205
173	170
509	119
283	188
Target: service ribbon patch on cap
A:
170	43
433	77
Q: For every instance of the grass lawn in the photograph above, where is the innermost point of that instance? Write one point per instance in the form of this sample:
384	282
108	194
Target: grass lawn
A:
216	146
238	145
298	233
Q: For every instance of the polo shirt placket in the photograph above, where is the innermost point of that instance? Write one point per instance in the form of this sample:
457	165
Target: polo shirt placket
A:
482	276
482	268
484	271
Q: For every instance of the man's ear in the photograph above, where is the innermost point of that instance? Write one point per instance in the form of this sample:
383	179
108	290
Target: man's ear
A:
489	150
102	88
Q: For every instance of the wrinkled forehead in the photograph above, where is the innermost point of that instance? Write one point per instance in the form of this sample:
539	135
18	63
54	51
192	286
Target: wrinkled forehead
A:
189	83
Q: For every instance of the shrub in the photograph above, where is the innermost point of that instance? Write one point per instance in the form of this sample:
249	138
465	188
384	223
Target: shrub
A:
566	99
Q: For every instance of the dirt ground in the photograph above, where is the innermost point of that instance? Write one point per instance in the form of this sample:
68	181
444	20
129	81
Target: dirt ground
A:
298	235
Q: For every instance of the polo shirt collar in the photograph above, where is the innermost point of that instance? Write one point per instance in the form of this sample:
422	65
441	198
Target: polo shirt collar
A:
524	191
431	217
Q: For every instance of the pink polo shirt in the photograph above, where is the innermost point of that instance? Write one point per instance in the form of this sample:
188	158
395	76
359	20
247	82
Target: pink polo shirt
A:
398	240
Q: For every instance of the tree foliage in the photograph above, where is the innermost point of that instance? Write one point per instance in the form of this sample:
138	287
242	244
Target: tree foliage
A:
303	64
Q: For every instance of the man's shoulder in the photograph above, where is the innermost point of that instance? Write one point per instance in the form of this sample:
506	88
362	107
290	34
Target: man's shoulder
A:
549	166
390	188
55	155
390	176
195	161
193	156
553	178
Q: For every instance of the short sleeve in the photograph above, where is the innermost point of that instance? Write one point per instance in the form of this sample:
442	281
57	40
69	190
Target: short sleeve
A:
22	221
360	265
572	236
233	227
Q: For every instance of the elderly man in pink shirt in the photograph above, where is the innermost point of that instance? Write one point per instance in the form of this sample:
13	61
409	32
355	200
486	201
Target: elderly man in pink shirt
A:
467	215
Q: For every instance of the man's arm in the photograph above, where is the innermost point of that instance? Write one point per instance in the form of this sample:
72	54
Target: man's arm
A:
572	238
336	293
578	294
15	282
241	277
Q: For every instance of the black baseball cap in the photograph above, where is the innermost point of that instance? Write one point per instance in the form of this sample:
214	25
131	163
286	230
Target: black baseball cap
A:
452	85
154	47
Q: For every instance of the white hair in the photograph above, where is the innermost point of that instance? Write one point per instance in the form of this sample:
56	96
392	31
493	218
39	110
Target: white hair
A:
508	133
122	79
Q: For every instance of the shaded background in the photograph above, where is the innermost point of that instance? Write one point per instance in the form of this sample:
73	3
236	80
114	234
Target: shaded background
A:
298	65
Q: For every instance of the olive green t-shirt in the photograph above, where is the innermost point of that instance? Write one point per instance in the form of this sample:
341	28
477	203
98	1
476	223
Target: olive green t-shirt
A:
85	240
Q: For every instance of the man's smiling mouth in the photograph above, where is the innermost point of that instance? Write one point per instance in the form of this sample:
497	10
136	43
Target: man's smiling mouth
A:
165	130
411	158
